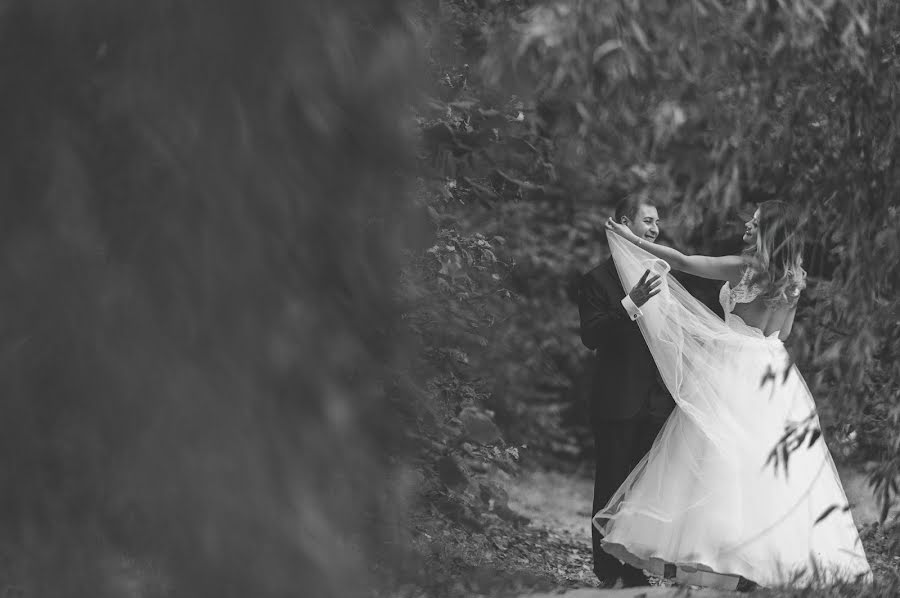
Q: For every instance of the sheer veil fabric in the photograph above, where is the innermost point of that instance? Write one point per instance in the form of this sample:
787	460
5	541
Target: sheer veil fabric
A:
703	498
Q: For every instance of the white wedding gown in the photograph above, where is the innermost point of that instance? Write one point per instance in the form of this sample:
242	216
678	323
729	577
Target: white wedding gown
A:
703	498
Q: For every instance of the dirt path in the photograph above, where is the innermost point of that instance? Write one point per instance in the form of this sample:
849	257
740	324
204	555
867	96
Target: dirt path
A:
865	507
554	500
561	503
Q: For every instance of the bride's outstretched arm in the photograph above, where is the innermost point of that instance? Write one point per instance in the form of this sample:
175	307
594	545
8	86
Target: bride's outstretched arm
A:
729	267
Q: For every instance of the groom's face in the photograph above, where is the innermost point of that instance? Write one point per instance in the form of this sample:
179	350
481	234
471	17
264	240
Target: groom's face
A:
645	223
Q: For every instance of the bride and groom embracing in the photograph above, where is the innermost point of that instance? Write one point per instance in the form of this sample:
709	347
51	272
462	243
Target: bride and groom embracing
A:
686	408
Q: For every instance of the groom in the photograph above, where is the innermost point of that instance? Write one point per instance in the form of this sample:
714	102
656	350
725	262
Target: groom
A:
629	403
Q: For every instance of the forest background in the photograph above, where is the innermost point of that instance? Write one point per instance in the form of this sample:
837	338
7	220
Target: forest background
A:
286	287
539	117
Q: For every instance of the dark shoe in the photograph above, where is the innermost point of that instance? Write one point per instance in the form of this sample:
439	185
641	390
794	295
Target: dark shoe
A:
607	583
634	579
609	576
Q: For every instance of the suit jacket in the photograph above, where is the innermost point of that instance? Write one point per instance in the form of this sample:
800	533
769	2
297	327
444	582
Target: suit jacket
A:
625	381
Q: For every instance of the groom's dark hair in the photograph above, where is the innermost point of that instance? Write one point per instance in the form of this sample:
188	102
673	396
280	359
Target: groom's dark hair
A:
631	203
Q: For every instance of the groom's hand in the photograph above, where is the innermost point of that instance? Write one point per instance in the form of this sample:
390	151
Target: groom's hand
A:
645	288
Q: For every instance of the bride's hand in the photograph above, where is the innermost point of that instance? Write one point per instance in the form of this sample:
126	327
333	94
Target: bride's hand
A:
619	229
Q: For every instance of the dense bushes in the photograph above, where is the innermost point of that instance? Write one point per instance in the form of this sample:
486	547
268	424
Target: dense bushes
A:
714	105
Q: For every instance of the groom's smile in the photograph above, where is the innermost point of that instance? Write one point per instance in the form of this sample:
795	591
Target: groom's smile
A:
645	223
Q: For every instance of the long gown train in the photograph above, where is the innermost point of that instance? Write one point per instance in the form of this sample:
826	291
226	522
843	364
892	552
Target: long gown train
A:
704	498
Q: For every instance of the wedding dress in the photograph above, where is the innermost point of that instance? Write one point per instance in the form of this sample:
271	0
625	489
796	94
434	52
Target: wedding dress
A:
704	504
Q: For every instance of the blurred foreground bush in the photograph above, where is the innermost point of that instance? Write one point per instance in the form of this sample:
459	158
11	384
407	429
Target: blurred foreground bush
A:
200	210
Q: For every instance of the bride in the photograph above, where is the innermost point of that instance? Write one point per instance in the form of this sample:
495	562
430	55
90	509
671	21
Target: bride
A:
706	506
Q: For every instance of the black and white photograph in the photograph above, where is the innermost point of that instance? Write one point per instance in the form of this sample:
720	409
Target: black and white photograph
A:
449	298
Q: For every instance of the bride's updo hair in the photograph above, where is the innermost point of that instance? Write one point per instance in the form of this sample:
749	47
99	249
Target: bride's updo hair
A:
777	258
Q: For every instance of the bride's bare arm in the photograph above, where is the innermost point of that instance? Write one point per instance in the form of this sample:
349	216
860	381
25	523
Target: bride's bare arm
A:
729	267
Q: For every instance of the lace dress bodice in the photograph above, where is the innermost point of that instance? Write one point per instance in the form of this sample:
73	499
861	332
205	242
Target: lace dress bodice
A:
743	292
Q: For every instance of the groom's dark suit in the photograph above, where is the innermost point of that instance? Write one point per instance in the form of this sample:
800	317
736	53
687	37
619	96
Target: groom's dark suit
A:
629	403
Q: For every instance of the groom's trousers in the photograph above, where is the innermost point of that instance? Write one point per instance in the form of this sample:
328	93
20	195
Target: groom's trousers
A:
619	446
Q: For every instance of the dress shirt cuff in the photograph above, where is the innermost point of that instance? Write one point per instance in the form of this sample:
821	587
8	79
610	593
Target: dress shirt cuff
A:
634	312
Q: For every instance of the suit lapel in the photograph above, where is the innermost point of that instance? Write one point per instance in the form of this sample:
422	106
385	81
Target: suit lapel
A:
614	274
